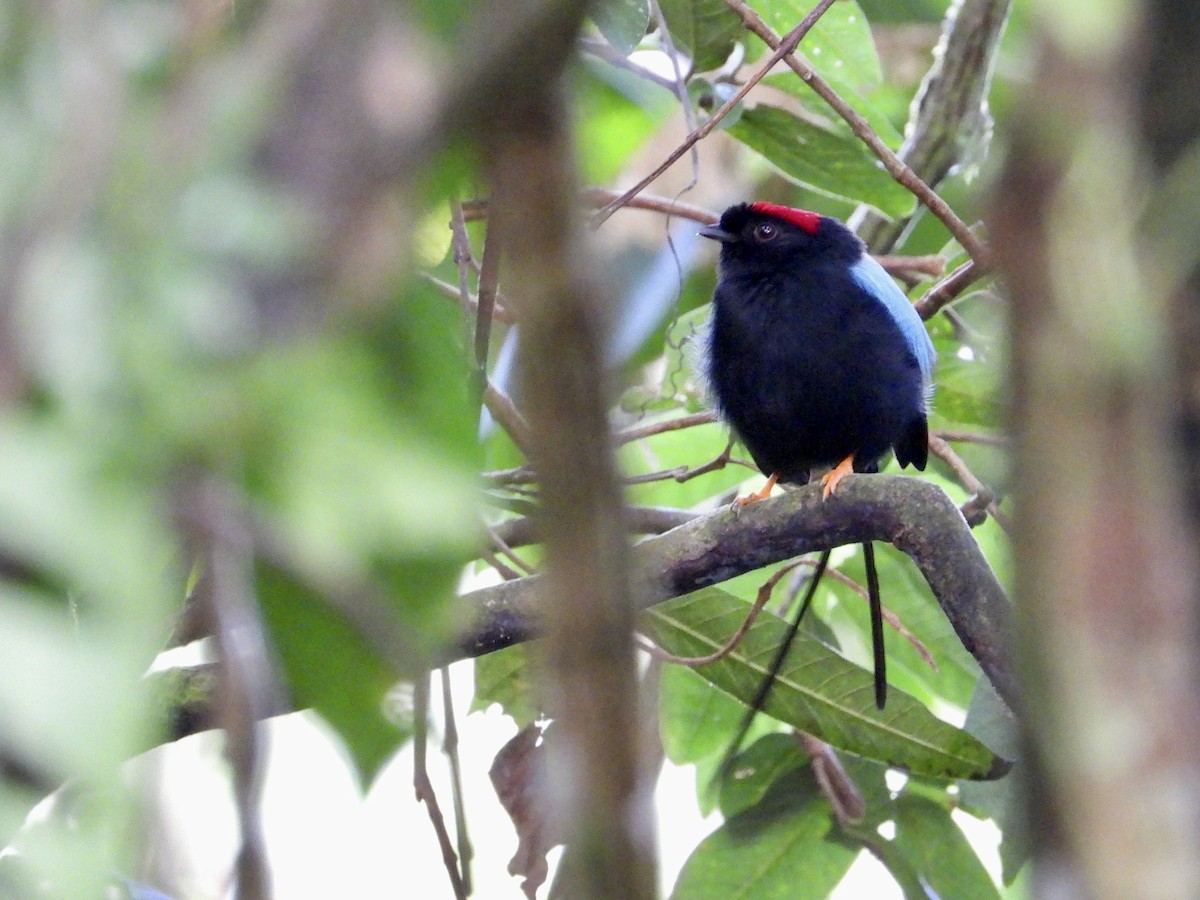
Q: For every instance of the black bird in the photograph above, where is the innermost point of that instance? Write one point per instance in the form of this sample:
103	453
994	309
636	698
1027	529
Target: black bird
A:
816	360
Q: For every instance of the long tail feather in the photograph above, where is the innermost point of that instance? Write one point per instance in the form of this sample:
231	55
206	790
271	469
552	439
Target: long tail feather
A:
876	625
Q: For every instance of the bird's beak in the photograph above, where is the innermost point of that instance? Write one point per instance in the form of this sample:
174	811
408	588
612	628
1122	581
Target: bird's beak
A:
717	233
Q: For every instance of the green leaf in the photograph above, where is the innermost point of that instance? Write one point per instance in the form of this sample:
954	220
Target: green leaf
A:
503	677
828	163
1003	800
695	721
704	29
937	848
786	846
622	22
790	83
841	48
335	670
966	392
756	769
817	690
840	43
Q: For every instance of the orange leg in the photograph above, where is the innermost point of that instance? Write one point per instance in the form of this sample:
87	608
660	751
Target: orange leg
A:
831	479
762	494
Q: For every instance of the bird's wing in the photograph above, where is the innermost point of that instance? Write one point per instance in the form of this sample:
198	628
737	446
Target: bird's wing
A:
872	277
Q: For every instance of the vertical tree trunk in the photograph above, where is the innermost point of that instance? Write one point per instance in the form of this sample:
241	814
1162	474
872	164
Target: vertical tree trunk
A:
1106	554
590	672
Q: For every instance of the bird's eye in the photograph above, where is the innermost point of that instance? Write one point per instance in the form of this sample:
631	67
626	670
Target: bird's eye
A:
765	231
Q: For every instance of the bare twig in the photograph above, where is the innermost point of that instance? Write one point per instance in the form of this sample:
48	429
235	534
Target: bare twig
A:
679	85
985	497
973	437
499	311
246	682
949	119
450	747
503	546
760	600
676	208
783	47
933	266
465	260
638	520
664	425
423	788
489	280
505	412
605	51
905	176
835	782
948	289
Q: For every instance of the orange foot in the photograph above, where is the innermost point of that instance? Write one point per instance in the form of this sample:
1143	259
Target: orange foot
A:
762	494
831	479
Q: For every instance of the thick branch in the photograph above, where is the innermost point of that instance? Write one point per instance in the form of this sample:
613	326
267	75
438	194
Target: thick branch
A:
915	516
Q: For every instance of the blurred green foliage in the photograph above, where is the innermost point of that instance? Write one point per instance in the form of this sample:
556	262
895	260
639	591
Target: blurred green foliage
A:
207	279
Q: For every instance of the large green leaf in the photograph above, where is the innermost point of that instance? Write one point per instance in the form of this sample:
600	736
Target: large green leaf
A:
842	50
705	29
786	846
967	393
333	668
936	847
840	43
622	22
792	84
826	162
695	721
817	690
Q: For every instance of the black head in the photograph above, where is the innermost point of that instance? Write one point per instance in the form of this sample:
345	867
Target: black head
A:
754	235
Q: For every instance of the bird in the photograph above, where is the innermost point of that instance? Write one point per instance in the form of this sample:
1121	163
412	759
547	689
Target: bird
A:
816	360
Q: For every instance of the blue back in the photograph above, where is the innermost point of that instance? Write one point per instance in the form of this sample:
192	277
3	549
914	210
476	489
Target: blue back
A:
872	277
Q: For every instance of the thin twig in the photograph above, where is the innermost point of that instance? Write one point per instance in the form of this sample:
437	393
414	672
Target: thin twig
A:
450	747
760	600
638	520
679	87
896	167
423	788
505	571
849	807
973	437
605	51
248	686
984	496
597	197
499	311
516	475
502	545
664	425
505	412
948	289
465	260
489	280
782	49
896	264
